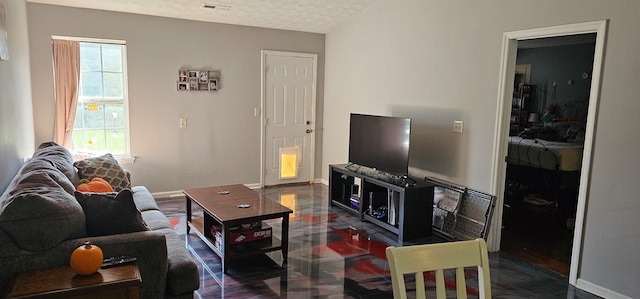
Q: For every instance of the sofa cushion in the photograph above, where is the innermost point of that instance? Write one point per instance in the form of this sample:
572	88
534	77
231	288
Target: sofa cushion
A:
38	214
106	167
59	156
143	199
156	220
110	213
40	168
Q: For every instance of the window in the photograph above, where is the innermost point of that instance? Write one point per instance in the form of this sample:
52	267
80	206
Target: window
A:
102	122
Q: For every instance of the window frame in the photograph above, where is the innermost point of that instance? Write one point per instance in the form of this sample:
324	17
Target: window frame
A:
126	157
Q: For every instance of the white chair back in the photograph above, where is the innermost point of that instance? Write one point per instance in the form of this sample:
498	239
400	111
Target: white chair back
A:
416	259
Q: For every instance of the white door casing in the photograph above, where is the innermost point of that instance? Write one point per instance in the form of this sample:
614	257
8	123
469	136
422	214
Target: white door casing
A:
288	114
498	173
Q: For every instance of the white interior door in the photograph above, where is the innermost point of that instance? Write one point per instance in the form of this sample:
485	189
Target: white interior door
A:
288	105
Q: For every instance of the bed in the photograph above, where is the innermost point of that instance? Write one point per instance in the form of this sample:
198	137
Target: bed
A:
544	162
554	145
547	160
545	154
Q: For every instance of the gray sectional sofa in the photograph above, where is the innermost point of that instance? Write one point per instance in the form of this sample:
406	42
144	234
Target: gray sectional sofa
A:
43	219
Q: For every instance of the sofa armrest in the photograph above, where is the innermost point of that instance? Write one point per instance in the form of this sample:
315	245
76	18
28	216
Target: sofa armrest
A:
148	247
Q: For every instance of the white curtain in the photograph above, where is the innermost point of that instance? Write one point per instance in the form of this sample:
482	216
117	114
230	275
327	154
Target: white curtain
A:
66	68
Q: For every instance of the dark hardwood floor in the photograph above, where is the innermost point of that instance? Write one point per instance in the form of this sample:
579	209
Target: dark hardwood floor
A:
538	233
549	249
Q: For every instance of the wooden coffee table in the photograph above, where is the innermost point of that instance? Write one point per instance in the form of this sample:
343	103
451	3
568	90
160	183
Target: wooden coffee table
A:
225	207
117	282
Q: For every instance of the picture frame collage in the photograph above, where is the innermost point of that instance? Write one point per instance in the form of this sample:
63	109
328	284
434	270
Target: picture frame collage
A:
199	80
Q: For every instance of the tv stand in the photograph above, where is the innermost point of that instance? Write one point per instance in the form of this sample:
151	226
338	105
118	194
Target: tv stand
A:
400	180
403	207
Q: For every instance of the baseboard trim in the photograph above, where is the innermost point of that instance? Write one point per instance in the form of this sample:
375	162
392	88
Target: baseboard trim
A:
179	194
253	186
168	195
598	290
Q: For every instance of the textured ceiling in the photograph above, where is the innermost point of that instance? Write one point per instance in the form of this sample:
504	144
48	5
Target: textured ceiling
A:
319	16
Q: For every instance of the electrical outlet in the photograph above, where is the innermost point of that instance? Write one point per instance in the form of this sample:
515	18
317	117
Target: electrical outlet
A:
183	122
457	126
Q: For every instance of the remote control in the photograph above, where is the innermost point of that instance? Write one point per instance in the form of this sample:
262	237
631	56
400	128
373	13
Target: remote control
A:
113	258
116	261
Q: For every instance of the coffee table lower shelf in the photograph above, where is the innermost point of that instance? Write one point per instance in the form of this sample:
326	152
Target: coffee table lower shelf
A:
236	250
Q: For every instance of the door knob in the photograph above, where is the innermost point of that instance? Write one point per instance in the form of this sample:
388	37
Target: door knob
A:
308	122
309	131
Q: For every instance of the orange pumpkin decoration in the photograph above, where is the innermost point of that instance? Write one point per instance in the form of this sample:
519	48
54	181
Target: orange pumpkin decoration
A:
86	259
95	185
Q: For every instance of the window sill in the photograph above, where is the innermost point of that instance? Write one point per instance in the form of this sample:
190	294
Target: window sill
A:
122	159
126	159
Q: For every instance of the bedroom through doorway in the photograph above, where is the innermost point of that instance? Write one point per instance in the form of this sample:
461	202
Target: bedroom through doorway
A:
510	42
547	126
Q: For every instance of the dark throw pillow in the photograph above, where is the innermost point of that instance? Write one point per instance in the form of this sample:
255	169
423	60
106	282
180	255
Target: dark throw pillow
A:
106	167
110	213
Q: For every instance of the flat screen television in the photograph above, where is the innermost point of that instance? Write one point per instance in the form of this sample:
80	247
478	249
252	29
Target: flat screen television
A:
380	142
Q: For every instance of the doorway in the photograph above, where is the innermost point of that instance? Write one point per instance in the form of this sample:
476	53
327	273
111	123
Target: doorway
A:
546	137
505	98
288	117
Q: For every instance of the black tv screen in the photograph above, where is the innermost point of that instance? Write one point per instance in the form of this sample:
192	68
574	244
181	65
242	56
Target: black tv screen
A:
380	142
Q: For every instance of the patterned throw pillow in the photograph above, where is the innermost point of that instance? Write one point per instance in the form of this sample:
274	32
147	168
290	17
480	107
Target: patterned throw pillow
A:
106	167
110	213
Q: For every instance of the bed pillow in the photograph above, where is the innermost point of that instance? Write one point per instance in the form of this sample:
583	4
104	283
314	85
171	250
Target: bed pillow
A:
110	213
574	132
544	132
106	167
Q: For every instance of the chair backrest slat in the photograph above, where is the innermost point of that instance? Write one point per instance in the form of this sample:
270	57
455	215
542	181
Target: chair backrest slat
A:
417	259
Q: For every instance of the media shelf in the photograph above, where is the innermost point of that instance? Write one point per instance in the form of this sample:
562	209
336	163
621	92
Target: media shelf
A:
403	209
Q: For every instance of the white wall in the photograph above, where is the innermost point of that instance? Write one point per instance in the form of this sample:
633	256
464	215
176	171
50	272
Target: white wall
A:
438	61
16	119
221	144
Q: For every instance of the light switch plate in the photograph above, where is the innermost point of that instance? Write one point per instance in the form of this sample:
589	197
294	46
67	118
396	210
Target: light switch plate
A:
457	126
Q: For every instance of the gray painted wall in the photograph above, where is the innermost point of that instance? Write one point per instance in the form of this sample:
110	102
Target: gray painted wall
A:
221	144
16	120
439	61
